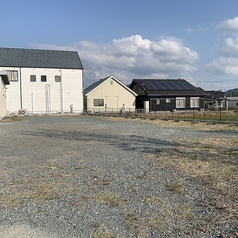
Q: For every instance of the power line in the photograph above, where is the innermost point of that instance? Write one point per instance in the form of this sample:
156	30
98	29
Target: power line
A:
224	81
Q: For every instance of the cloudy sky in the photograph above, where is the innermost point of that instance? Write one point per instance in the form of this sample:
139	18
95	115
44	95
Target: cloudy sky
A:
194	40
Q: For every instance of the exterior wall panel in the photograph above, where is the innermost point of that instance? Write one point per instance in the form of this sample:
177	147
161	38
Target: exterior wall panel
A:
46	97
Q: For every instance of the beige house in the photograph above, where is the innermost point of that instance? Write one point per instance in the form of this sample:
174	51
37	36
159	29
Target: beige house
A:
3	81
109	95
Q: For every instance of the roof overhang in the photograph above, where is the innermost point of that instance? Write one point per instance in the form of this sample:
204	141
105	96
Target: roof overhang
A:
4	77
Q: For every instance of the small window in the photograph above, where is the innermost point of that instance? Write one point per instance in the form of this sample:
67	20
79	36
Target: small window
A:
43	78
180	102
12	75
194	102
98	102
57	78
111	82
158	101
32	78
168	100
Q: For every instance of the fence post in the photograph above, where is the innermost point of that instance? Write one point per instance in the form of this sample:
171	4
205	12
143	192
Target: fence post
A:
220	113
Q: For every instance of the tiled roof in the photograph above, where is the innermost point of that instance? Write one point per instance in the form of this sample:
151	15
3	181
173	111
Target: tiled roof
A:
36	58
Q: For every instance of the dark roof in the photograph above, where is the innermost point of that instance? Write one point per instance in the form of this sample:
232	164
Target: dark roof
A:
35	58
167	87
215	94
93	85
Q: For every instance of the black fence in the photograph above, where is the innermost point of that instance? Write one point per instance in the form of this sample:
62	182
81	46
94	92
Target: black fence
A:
216	115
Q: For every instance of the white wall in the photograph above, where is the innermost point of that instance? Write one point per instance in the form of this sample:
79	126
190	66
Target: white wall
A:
2	99
35	94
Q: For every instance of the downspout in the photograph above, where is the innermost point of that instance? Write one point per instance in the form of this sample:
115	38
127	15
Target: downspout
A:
84	103
61	94
20	89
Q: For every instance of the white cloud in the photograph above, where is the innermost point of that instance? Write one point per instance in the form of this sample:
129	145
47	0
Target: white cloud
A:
227	62
228	25
232	43
225	66
133	57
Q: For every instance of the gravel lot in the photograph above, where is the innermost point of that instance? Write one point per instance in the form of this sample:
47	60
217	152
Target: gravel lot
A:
88	176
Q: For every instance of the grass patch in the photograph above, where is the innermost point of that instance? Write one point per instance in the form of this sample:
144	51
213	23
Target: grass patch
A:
110	199
12	119
212	164
173	216
175	187
101	231
41	189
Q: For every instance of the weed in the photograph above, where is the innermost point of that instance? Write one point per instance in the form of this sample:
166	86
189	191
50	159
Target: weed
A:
110	199
175	187
102	232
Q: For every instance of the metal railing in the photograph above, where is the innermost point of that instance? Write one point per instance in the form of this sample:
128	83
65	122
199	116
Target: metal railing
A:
220	115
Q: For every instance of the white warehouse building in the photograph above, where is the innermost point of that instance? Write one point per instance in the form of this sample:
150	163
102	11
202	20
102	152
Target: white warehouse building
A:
42	81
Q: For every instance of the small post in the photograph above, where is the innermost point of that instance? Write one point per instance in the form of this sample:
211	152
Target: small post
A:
220	113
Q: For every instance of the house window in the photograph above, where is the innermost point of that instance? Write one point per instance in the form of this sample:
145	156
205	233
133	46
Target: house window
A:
168	100
180	102
43	78
57	78
194	102
12	75
111	82
32	78
158	101
98	102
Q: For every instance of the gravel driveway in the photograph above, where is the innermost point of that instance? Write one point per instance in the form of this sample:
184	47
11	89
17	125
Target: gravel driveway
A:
86	176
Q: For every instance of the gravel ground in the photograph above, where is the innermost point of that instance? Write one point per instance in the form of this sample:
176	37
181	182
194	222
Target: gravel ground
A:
86	176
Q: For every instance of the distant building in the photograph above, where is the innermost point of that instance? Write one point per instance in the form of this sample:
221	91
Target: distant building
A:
215	99
42	81
109	94
232	102
167	95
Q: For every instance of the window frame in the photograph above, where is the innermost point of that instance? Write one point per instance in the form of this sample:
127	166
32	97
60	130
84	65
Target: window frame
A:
42	77
179	104
12	75
33	78
57	78
194	102
98	102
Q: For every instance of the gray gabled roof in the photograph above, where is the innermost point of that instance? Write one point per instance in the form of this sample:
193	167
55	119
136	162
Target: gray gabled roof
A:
36	58
93	86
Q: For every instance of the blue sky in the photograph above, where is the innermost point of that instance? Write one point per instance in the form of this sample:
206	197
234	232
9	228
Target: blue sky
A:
194	40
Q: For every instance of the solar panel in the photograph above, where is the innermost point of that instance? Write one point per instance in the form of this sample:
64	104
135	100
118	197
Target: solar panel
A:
175	85
186	86
167	85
